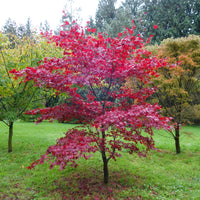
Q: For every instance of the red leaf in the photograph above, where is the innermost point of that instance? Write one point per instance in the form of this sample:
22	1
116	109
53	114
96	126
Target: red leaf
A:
66	23
155	26
93	30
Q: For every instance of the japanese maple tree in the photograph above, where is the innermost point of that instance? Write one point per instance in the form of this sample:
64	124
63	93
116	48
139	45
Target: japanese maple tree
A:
15	95
178	85
112	117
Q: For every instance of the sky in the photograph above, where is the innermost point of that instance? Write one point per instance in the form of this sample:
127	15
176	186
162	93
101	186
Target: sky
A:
41	10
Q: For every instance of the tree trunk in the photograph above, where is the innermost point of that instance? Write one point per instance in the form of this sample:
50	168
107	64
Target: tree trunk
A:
177	140
104	158
103	153
10	137
105	167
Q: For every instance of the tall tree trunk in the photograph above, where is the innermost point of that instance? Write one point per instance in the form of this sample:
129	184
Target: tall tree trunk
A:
10	137
104	158
103	153
177	140
105	167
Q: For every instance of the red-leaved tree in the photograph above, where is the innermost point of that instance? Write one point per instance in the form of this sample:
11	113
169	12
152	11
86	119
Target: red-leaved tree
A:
92	74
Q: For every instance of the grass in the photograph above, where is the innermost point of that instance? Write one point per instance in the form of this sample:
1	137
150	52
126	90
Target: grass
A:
162	175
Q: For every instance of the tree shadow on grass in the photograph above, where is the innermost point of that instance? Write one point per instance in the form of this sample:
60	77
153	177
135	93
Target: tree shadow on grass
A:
89	185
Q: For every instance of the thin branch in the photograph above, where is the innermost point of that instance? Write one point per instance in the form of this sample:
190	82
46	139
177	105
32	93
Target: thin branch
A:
5	123
93	91
114	149
4	61
4	106
170	132
162	101
26	106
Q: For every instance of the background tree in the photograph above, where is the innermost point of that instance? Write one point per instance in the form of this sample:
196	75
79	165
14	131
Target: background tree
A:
11	28
105	14
109	19
174	18
15	95
196	17
133	10
110	123
178	85
44	27
70	16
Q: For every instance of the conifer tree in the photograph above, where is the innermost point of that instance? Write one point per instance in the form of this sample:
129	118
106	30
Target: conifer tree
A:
174	18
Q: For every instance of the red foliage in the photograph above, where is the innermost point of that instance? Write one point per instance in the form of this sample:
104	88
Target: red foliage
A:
74	145
100	65
155	26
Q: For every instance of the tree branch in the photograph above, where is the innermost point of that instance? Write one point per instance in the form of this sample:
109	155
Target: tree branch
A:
4	61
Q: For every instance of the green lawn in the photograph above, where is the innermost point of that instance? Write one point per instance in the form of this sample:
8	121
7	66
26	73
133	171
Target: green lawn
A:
162	175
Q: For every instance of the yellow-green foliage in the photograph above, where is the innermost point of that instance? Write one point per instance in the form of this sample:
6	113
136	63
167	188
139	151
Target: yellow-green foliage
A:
178	82
15	95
